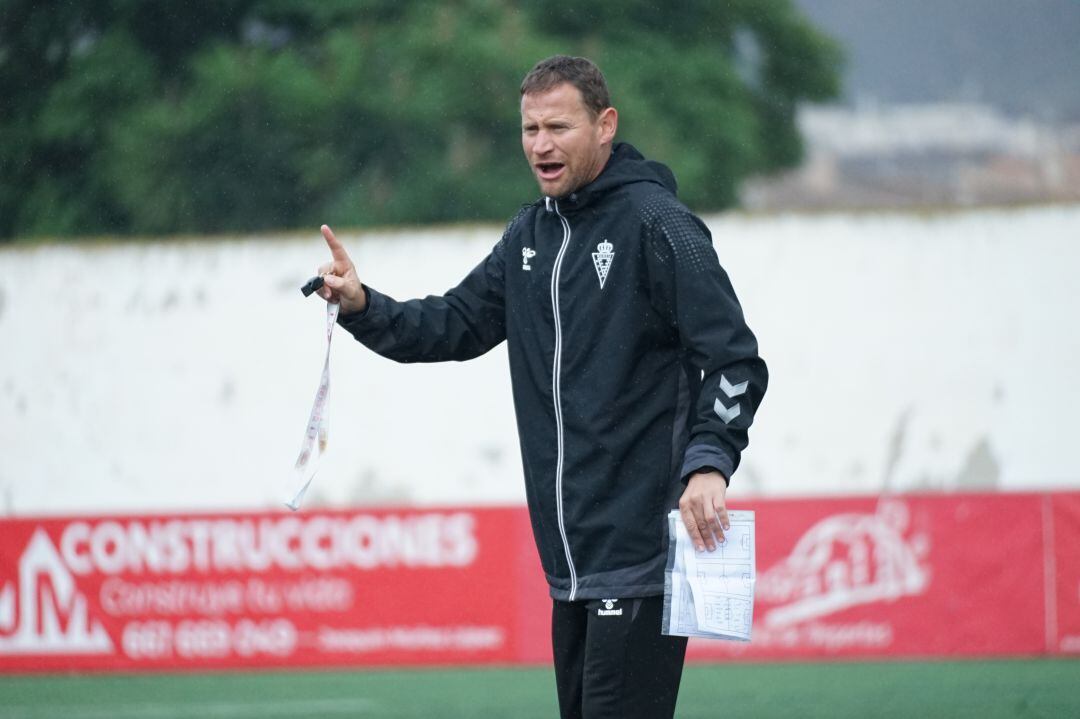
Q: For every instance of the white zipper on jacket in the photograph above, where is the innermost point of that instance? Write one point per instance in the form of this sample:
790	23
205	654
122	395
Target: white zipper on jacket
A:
556	389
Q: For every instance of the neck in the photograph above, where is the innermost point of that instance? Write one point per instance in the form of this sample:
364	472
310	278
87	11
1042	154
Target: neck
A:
602	162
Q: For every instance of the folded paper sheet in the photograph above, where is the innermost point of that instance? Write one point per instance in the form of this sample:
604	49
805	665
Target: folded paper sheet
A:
711	594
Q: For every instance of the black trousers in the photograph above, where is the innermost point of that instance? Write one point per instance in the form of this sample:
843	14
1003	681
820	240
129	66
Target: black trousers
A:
612	661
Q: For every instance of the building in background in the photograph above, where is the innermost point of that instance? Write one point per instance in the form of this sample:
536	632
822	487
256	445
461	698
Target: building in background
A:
963	102
924	155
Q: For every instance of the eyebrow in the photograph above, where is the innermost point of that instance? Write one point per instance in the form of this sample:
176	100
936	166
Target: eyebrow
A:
555	122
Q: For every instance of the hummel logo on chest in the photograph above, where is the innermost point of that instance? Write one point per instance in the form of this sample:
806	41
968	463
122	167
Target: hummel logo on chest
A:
527	253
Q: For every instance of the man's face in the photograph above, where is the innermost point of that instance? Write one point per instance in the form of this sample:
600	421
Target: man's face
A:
565	145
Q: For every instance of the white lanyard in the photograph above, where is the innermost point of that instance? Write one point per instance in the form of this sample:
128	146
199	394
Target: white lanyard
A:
308	461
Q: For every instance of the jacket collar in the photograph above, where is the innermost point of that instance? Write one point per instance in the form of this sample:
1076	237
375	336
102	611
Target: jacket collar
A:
625	166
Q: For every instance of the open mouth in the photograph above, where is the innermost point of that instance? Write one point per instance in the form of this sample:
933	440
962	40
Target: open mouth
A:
549	170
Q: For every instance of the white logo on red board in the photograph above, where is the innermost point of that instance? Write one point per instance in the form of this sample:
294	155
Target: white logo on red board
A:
42	612
847	560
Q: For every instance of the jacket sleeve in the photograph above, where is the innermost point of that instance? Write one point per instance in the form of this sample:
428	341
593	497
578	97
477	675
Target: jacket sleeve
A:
461	324
690	288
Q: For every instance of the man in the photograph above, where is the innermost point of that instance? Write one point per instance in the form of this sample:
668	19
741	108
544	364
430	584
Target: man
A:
634	377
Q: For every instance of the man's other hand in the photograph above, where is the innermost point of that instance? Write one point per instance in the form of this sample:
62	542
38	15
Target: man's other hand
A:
704	509
341	284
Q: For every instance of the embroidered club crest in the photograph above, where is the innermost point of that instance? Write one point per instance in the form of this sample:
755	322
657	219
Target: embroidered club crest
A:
602	260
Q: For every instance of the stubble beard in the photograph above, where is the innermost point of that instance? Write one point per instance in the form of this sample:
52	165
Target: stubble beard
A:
571	182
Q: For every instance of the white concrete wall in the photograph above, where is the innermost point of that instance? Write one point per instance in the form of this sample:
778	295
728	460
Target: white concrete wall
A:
907	353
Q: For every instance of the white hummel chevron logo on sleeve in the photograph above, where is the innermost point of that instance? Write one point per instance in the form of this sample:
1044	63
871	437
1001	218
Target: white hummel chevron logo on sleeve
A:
725	413
731	390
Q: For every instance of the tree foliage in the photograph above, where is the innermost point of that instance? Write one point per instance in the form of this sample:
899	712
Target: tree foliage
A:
154	116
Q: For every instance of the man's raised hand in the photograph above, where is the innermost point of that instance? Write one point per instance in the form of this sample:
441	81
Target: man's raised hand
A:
341	284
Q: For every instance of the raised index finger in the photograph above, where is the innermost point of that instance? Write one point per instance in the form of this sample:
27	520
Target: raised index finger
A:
336	248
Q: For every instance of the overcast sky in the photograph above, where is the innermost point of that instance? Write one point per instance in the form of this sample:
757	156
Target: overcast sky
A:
1020	55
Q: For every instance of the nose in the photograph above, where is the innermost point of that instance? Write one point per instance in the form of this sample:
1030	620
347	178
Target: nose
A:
542	143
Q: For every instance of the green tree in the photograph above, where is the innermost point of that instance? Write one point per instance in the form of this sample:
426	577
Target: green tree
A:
128	116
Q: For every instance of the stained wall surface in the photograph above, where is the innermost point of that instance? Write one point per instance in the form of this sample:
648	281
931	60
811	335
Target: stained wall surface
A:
907	353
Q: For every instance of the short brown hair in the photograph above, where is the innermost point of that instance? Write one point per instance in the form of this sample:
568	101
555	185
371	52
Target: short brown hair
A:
580	72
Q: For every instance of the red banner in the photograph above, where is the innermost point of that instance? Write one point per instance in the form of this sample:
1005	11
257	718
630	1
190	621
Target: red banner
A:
1062	527
946	575
326	588
911	576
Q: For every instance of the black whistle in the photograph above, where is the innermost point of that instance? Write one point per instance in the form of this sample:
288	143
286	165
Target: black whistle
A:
312	285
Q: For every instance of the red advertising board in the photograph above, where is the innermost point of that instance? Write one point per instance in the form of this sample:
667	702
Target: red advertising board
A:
208	591
905	576
944	575
1062	528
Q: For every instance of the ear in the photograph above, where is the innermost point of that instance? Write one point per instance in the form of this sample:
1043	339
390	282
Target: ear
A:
608	123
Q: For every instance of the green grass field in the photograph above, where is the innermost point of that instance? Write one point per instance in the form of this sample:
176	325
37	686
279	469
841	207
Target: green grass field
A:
983	689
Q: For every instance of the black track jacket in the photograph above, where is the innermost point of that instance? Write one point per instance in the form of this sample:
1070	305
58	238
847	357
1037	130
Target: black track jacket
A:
630	361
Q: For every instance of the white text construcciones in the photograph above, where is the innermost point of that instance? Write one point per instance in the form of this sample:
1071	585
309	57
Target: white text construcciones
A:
181	546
